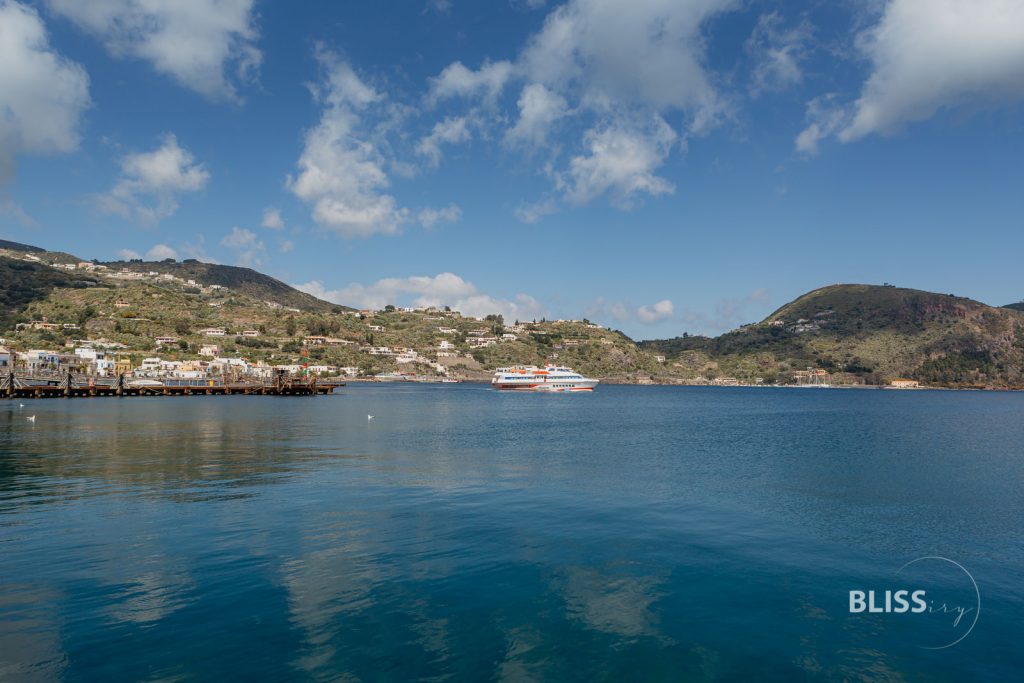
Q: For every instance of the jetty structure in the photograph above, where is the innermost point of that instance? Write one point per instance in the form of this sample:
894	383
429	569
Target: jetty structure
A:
71	385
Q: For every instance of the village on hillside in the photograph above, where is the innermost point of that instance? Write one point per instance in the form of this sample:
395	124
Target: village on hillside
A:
150	324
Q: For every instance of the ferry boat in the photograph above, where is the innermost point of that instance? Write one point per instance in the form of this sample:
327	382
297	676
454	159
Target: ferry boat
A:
548	378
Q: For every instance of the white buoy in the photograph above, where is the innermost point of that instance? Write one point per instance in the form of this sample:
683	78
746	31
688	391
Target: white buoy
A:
31	418
21	405
369	417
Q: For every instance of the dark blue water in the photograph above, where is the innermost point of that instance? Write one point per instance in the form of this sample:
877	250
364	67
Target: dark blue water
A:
637	533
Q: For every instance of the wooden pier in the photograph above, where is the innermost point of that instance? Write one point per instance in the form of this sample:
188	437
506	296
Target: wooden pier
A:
12	386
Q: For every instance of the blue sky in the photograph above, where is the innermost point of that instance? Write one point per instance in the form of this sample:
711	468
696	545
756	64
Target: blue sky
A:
659	166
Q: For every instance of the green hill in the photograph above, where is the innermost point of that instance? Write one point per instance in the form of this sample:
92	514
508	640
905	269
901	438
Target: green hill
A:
860	334
18	246
871	333
23	282
243	281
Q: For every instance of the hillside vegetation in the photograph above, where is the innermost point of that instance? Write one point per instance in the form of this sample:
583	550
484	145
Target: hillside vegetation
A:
242	281
860	334
872	334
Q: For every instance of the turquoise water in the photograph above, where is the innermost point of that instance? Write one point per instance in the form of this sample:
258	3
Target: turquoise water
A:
636	533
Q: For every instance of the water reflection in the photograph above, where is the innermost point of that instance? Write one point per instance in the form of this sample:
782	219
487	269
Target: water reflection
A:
635	533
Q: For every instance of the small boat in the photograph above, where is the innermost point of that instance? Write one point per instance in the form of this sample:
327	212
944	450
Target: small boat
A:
548	378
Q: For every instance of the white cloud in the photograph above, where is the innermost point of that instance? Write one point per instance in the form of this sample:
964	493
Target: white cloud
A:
647	53
206	45
655	313
341	170
456	80
533	212
539	108
608	69
272	218
286	246
620	161
429	217
150	182
444	289
928	55
128	254
247	247
825	117
42	94
777	52
451	130
159	252
601	309
197	250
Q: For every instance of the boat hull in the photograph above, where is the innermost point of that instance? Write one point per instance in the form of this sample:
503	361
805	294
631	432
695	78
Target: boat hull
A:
553	386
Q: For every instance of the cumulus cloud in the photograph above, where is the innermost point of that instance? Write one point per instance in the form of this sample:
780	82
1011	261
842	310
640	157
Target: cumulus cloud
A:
656	312
341	169
206	45
620	160
451	130
272	218
615	71
286	246
128	254
159	252
150	182
247	247
539	109
647	53
42	94
456	80
444	289
928	55
777	52
429	217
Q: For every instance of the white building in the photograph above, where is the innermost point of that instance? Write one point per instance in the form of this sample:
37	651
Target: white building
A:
209	350
214	332
445	345
6	361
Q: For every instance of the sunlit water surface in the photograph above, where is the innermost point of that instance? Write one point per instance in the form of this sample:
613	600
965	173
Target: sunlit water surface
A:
636	533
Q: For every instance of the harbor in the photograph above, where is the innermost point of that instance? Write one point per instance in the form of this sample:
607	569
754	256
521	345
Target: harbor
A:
72	386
